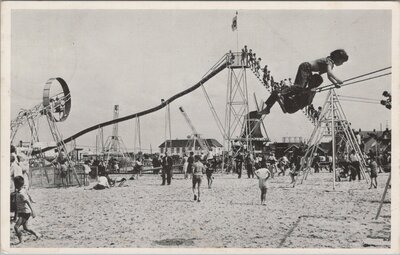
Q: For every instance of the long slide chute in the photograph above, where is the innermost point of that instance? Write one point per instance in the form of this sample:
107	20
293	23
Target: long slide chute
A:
222	66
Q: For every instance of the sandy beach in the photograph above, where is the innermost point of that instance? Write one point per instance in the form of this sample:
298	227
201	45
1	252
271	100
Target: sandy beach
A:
143	214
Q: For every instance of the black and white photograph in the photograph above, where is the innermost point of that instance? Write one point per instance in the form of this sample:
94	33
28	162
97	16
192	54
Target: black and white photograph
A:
199	127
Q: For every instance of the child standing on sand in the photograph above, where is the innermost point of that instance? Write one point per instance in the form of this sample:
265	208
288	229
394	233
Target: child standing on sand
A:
24	208
198	171
263	175
373	172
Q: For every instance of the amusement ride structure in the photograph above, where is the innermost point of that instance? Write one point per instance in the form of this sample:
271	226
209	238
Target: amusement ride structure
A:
241	125
115	147
56	106
332	123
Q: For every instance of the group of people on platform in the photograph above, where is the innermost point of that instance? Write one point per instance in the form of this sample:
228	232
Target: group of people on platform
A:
249	58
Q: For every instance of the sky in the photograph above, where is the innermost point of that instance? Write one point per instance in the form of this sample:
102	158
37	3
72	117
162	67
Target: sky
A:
134	58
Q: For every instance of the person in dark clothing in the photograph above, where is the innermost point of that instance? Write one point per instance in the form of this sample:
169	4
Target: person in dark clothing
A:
356	165
293	98
249	165
263	162
298	153
315	163
166	169
190	163
156	163
239	163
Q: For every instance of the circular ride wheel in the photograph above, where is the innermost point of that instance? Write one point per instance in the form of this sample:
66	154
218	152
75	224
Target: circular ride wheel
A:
57	99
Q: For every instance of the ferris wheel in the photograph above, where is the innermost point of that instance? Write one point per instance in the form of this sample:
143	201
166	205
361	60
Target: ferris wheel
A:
56	99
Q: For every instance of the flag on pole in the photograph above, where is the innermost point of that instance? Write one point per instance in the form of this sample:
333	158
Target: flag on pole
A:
234	22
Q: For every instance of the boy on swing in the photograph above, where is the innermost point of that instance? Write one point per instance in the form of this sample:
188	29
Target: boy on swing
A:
302	92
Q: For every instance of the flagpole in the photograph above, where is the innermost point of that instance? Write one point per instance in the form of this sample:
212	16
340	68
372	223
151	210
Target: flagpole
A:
237	35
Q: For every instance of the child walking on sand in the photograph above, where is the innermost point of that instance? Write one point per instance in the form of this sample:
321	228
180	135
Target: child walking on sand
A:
198	171
263	175
24	209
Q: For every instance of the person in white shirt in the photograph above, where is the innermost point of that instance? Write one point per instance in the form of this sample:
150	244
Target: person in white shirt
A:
22	161
15	170
263	174
102	183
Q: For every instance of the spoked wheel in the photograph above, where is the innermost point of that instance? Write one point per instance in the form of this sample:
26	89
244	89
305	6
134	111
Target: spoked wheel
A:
57	99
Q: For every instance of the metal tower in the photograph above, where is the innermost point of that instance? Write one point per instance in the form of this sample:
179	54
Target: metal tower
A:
114	146
240	123
333	124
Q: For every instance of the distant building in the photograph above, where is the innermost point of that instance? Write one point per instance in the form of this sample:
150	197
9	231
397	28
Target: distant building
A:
377	141
281	149
180	146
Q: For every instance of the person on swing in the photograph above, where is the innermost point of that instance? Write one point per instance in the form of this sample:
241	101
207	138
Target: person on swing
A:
301	94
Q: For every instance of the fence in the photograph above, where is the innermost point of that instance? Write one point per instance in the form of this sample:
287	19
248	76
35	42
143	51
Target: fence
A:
49	177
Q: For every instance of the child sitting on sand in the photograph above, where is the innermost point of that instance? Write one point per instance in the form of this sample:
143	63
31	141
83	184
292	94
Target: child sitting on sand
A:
263	175
24	209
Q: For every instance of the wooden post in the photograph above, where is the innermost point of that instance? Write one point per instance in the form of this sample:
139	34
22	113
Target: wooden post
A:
383	196
333	141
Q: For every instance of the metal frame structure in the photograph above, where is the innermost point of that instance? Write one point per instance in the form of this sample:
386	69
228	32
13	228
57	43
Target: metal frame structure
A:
61	105
331	122
237	107
114	144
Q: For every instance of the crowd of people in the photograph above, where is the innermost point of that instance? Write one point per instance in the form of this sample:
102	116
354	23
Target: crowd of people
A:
263	166
350	165
249	58
288	164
